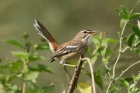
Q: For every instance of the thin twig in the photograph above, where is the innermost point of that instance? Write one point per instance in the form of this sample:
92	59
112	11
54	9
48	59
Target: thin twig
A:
24	70
23	87
134	6
125	49
120	49
127	69
74	80
119	55
92	73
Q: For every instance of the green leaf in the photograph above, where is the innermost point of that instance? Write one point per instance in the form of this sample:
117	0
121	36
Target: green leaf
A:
93	59
88	50
125	16
118	10
125	10
20	54
128	79
46	89
3	79
14	42
14	87
106	70
35	58
135	29
98	79
41	68
121	14
110	40
130	40
96	40
122	23
14	66
32	91
29	43
136	50
136	78
132	86
10	91
87	73
32	76
124	83
134	16
138	43
43	40
40	89
42	46
104	43
112	89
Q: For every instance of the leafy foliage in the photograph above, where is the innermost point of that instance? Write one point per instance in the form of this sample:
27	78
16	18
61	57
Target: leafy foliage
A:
20	69
130	42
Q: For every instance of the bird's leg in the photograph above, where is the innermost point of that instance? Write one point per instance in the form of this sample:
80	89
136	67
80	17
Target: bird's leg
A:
69	65
65	68
64	64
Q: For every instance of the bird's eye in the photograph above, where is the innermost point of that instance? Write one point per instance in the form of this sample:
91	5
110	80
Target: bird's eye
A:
84	31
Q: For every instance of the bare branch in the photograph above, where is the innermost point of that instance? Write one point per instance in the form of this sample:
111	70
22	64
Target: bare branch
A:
92	73
127	69
74	80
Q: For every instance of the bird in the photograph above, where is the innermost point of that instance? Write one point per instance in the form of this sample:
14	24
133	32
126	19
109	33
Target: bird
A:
69	51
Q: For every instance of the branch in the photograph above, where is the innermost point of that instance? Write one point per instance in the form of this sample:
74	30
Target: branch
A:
92	73
23	87
127	69
74	80
119	55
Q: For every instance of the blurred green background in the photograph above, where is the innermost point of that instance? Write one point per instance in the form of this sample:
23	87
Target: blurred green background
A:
63	18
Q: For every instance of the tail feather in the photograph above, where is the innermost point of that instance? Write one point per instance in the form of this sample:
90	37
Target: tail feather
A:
46	34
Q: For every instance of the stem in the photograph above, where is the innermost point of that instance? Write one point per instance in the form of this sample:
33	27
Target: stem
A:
117	60
92	73
25	67
23	87
127	69
120	50
75	77
125	49
95	51
24	73
109	86
134	6
114	67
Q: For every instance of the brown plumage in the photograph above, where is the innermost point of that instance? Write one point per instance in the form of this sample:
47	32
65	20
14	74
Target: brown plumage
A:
69	51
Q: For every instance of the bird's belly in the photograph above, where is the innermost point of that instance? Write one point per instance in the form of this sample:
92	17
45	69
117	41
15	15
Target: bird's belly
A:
71	58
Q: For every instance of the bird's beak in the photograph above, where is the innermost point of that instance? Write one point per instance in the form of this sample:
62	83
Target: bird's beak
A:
94	32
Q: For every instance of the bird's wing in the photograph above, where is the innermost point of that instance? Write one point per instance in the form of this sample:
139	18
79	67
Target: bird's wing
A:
64	49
